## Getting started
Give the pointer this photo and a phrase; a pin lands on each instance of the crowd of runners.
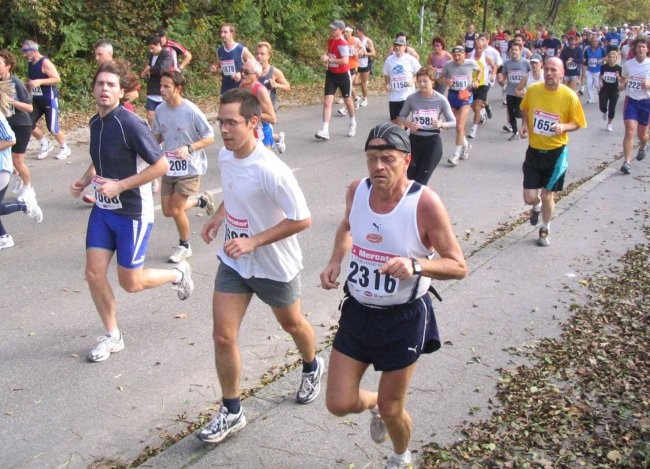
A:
(389, 268)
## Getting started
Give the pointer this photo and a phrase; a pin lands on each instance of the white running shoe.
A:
(105, 347)
(342, 112)
(45, 148)
(282, 146)
(222, 425)
(352, 130)
(322, 135)
(64, 153)
(26, 193)
(378, 431)
(33, 211)
(453, 160)
(310, 383)
(6, 241)
(17, 183)
(465, 152)
(357, 102)
(209, 203)
(610, 128)
(180, 253)
(186, 286)
(364, 102)
(471, 133)
(404, 462)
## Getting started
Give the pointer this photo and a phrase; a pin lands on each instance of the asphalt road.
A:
(59, 410)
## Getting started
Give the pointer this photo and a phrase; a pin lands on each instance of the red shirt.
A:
(338, 48)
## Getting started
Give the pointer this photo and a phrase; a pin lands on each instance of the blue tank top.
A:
(231, 63)
(35, 72)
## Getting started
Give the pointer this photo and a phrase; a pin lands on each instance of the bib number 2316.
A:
(374, 280)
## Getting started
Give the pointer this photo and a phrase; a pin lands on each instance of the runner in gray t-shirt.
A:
(515, 70)
(430, 111)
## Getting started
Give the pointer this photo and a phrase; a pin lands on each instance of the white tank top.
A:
(378, 237)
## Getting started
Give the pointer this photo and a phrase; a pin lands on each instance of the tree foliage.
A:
(66, 30)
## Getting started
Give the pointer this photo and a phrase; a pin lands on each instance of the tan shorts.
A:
(187, 186)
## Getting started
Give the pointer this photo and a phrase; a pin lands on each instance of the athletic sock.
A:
(184, 243)
(458, 150)
(326, 126)
(309, 367)
(114, 334)
(201, 202)
(233, 405)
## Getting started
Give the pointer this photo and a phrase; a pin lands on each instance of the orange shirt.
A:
(353, 59)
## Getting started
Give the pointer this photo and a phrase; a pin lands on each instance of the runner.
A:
(470, 39)
(263, 209)
(231, 56)
(399, 78)
(19, 108)
(160, 60)
(636, 110)
(367, 53)
(459, 76)
(593, 59)
(7, 141)
(337, 77)
(176, 50)
(184, 132)
(273, 78)
(391, 231)
(485, 78)
(610, 81)
(550, 110)
(125, 159)
(251, 72)
(430, 112)
(43, 77)
(515, 71)
(437, 59)
(353, 65)
(572, 58)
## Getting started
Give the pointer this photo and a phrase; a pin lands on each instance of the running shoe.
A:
(180, 253)
(544, 237)
(310, 383)
(6, 241)
(483, 116)
(26, 193)
(378, 431)
(513, 137)
(453, 160)
(465, 152)
(342, 112)
(89, 199)
(364, 102)
(403, 462)
(352, 130)
(507, 127)
(32, 210)
(534, 216)
(640, 154)
(17, 183)
(222, 425)
(186, 285)
(208, 203)
(322, 135)
(610, 128)
(64, 153)
(357, 102)
(471, 133)
(105, 347)
(45, 148)
(282, 146)
(488, 112)
(625, 169)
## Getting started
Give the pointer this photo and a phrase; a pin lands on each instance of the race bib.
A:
(37, 91)
(236, 228)
(438, 73)
(102, 201)
(459, 82)
(610, 77)
(550, 52)
(635, 83)
(543, 121)
(593, 62)
(331, 63)
(469, 44)
(571, 65)
(426, 118)
(514, 76)
(364, 275)
(399, 82)
(228, 67)
(177, 166)
(363, 62)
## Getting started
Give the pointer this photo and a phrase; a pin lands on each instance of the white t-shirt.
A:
(260, 191)
(636, 73)
(400, 72)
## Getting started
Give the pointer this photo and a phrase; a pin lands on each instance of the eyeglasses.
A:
(248, 72)
(27, 49)
(229, 123)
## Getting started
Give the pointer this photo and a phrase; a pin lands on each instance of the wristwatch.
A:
(190, 149)
(417, 267)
